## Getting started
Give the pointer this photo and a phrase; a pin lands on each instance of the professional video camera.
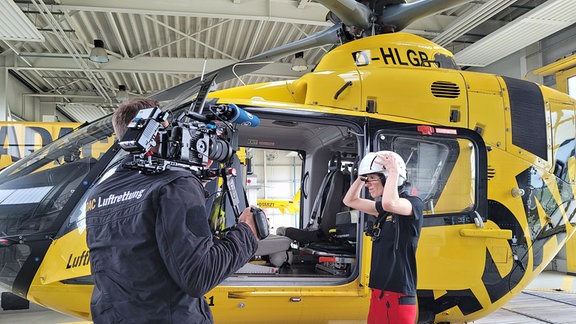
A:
(190, 141)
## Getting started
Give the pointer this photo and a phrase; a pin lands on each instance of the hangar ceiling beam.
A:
(155, 65)
(277, 10)
(548, 18)
(467, 22)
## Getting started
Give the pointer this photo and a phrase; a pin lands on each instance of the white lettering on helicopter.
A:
(392, 56)
(75, 261)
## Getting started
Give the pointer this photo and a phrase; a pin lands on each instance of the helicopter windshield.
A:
(34, 190)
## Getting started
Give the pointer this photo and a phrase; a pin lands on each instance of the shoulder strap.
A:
(379, 207)
(319, 197)
(382, 214)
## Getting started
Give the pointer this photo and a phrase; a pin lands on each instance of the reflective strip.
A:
(23, 196)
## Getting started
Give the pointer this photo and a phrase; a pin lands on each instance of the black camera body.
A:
(141, 134)
(191, 141)
(195, 143)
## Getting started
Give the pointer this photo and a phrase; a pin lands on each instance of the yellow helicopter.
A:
(284, 206)
(493, 159)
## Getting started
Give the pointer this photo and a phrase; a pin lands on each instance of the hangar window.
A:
(272, 182)
(566, 81)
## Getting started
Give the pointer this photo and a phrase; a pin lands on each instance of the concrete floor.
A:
(36, 314)
(551, 298)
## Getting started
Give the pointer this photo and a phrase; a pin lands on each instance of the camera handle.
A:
(230, 188)
(260, 220)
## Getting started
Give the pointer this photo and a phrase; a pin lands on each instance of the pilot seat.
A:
(331, 235)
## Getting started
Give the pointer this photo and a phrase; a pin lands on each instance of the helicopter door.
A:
(460, 249)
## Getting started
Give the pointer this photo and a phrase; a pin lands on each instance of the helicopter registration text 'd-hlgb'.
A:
(493, 159)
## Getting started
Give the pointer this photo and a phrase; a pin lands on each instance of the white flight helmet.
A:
(367, 166)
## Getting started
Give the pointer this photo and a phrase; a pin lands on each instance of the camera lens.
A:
(220, 151)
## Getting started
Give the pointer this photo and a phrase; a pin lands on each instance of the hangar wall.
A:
(18, 101)
(522, 63)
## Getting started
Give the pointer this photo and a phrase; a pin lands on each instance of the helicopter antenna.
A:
(203, 69)
(207, 85)
(245, 63)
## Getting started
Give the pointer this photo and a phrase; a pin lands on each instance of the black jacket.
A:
(151, 250)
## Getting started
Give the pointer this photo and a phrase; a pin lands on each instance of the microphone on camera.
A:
(237, 115)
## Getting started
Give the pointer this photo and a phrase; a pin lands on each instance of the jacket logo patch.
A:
(113, 199)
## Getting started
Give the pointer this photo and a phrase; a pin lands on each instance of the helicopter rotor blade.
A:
(332, 35)
(350, 12)
(401, 15)
(395, 14)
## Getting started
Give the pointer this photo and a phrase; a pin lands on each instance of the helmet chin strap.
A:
(403, 188)
(401, 180)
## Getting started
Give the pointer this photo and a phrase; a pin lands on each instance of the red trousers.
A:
(387, 307)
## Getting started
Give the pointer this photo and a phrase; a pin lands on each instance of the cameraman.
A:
(152, 253)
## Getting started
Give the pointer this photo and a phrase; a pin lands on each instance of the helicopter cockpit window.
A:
(35, 189)
(446, 62)
(441, 172)
(77, 218)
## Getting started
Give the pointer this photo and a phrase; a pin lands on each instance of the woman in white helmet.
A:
(398, 221)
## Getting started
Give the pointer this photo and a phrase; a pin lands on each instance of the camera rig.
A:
(191, 141)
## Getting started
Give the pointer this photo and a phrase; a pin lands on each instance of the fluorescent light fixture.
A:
(467, 22)
(122, 94)
(98, 53)
(15, 26)
(299, 63)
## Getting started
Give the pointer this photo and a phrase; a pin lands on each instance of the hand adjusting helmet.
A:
(368, 166)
